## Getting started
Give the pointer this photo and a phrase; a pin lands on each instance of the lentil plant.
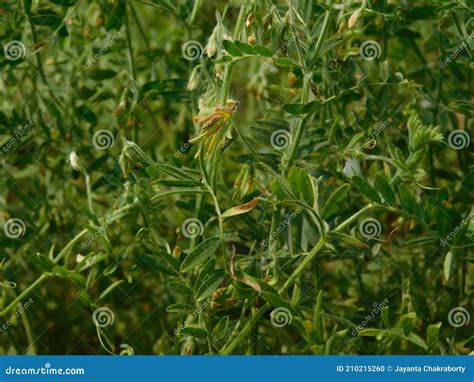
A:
(240, 177)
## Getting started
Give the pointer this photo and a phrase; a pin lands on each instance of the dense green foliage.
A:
(241, 177)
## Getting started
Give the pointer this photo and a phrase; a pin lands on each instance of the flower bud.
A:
(351, 168)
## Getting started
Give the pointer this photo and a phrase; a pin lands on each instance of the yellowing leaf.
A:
(241, 209)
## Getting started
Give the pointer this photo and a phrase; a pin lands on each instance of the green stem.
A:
(227, 82)
(40, 280)
(254, 320)
(129, 46)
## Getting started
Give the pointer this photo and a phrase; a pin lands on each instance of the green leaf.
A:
(245, 48)
(407, 199)
(116, 16)
(318, 321)
(284, 61)
(365, 188)
(417, 340)
(111, 287)
(179, 287)
(231, 48)
(210, 285)
(194, 331)
(338, 236)
(101, 74)
(164, 263)
(180, 308)
(384, 188)
(47, 17)
(293, 108)
(179, 183)
(432, 334)
(335, 202)
(262, 51)
(200, 254)
(27, 6)
(64, 3)
(371, 333)
(76, 278)
(43, 263)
